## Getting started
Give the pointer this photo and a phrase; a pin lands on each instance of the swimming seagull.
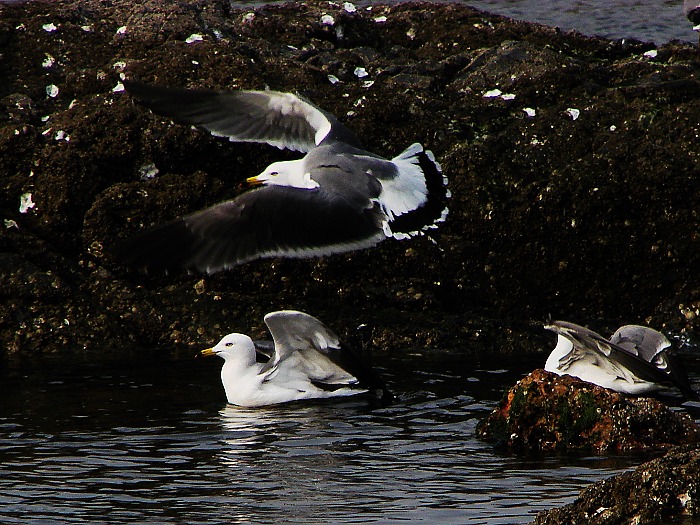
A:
(633, 361)
(337, 198)
(307, 361)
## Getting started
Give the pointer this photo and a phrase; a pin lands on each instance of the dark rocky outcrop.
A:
(656, 491)
(587, 218)
(545, 412)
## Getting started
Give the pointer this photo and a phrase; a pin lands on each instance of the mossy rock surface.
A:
(547, 412)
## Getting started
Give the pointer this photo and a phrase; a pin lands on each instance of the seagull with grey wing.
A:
(306, 361)
(337, 198)
(634, 360)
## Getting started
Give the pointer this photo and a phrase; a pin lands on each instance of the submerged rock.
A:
(545, 412)
(593, 217)
(656, 491)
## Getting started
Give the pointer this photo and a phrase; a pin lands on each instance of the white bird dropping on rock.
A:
(49, 28)
(573, 113)
(52, 90)
(148, 171)
(493, 93)
(360, 72)
(195, 37)
(25, 202)
(530, 112)
(48, 62)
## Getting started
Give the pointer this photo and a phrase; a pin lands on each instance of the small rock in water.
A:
(327, 20)
(52, 90)
(530, 112)
(493, 93)
(544, 411)
(49, 28)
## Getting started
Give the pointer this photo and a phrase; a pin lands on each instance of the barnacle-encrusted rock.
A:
(588, 218)
(663, 488)
(544, 411)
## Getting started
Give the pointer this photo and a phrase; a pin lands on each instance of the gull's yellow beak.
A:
(207, 352)
(253, 181)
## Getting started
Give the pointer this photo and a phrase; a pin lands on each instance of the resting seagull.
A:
(633, 361)
(306, 362)
(337, 198)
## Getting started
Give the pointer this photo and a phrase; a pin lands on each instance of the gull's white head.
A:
(285, 173)
(235, 347)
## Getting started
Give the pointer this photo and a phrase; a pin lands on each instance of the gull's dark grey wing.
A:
(264, 349)
(652, 346)
(270, 221)
(330, 364)
(280, 119)
(584, 339)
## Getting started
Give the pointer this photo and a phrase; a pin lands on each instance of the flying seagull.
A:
(633, 361)
(307, 361)
(337, 198)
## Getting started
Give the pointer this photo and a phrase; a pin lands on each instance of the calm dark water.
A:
(659, 21)
(648, 20)
(155, 443)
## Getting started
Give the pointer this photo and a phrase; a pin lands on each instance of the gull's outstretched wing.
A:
(270, 221)
(651, 346)
(303, 340)
(280, 119)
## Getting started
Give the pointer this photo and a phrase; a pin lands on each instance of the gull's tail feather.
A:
(434, 210)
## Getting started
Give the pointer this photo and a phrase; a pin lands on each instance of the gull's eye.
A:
(274, 173)
(228, 344)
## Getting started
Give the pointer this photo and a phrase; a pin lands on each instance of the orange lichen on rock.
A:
(544, 411)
